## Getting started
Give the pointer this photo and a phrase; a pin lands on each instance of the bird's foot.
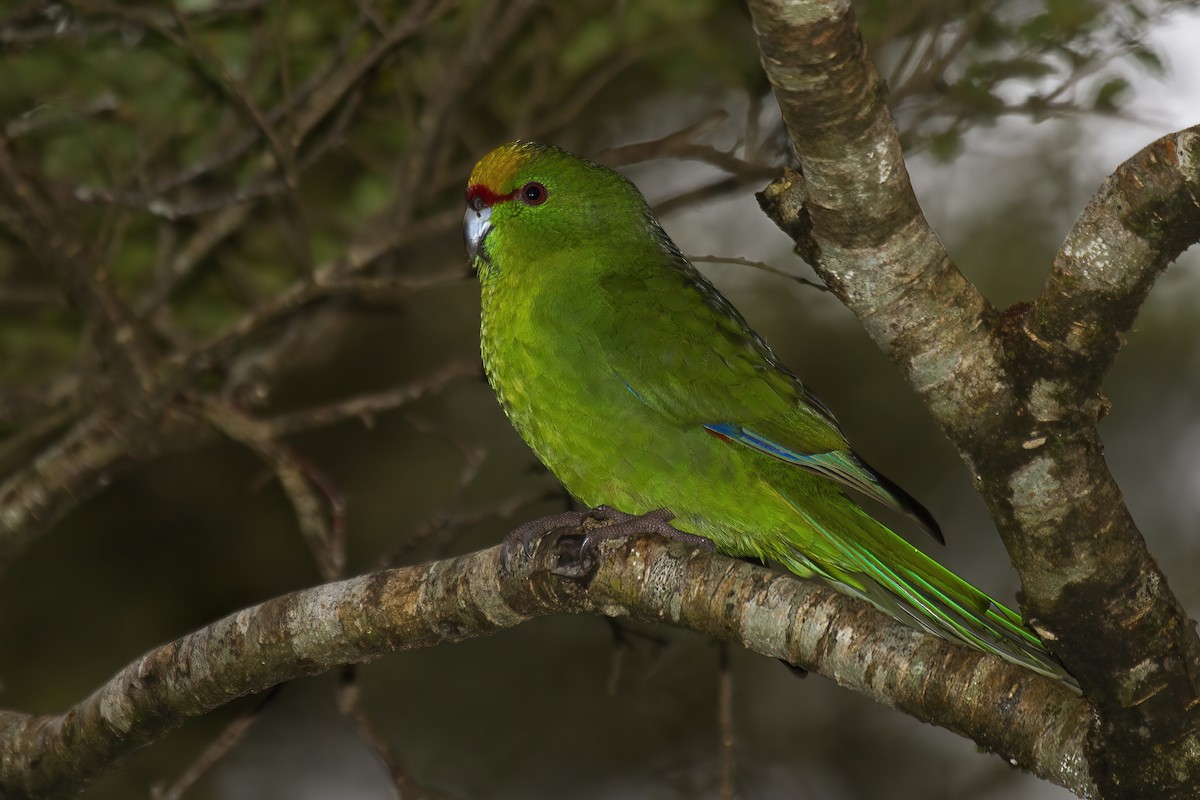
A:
(527, 536)
(602, 523)
(618, 525)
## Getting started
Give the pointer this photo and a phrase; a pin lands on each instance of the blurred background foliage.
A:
(272, 192)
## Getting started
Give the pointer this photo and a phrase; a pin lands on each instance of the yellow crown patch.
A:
(496, 170)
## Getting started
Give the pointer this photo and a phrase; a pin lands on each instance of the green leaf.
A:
(945, 145)
(1072, 14)
(1109, 91)
(1148, 59)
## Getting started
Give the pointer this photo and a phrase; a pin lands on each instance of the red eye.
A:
(533, 194)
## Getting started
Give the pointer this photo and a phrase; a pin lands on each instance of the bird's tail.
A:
(915, 589)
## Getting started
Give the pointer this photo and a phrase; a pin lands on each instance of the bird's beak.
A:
(476, 225)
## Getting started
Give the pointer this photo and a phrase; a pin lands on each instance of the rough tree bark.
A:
(1017, 391)
(1031, 721)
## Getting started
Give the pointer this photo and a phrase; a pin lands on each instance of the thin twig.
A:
(726, 785)
(367, 406)
(350, 706)
(747, 262)
(318, 505)
(225, 741)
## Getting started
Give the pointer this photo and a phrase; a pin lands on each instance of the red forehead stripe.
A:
(485, 194)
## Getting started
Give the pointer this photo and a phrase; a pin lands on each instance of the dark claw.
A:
(574, 557)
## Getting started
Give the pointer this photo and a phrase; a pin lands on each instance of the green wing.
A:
(698, 363)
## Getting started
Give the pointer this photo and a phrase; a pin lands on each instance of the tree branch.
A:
(1018, 392)
(1040, 725)
(855, 217)
(50, 236)
(104, 443)
(1088, 572)
(1144, 215)
(73, 468)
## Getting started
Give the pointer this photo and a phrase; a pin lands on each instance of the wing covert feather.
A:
(698, 363)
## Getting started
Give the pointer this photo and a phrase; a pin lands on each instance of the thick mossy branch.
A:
(1029, 720)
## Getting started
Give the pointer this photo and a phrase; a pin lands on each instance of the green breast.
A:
(552, 378)
(549, 376)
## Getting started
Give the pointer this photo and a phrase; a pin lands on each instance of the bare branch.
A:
(1041, 725)
(297, 298)
(102, 444)
(1141, 219)
(319, 510)
(681, 144)
(368, 405)
(50, 235)
(854, 215)
(765, 267)
(726, 781)
(23, 403)
(348, 701)
(222, 744)
(68, 471)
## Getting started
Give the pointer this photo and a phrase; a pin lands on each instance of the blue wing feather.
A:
(842, 466)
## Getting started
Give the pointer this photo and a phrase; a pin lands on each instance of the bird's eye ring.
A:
(477, 203)
(533, 194)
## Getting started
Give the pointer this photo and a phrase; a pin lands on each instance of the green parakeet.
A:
(641, 387)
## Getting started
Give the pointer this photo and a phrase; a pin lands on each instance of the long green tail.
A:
(916, 589)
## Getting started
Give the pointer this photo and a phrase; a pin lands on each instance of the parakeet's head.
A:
(526, 200)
